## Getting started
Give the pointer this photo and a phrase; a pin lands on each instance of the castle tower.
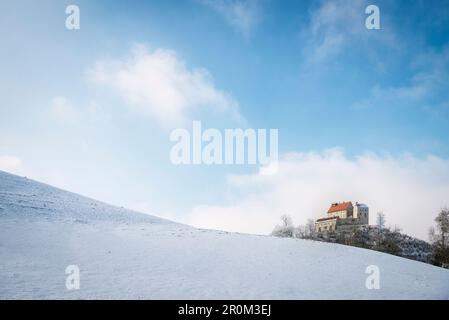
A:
(361, 212)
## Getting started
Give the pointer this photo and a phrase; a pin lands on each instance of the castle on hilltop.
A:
(343, 216)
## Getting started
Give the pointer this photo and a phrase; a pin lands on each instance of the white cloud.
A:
(243, 15)
(410, 191)
(331, 25)
(11, 164)
(336, 25)
(427, 88)
(160, 85)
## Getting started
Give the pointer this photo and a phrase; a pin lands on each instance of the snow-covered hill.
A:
(125, 254)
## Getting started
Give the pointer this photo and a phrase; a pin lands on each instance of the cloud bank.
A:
(409, 190)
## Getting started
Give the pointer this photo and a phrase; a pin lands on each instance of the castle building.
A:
(343, 216)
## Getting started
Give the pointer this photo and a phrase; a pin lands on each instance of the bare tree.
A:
(285, 229)
(300, 232)
(310, 229)
(380, 221)
(396, 229)
(439, 237)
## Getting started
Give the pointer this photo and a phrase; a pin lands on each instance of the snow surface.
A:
(124, 254)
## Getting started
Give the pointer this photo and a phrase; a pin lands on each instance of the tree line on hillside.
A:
(380, 238)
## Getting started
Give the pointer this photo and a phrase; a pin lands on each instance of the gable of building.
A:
(336, 207)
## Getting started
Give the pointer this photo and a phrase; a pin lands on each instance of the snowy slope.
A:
(124, 254)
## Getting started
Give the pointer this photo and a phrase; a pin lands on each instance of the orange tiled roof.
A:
(339, 207)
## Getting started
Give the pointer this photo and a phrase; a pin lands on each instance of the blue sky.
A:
(362, 100)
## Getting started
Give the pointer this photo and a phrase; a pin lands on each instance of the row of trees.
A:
(380, 238)
(286, 229)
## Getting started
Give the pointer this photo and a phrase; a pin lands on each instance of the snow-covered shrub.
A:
(286, 229)
(305, 231)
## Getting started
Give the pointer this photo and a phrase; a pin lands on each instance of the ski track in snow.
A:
(123, 254)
